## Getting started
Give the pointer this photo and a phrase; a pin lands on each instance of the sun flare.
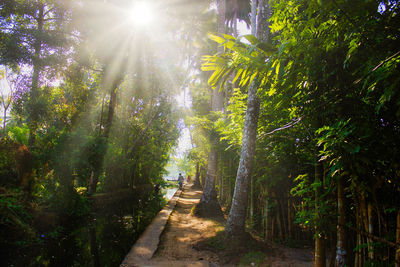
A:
(141, 14)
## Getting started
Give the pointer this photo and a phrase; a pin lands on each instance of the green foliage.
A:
(68, 204)
(184, 165)
(327, 89)
(218, 242)
(15, 221)
(19, 134)
(8, 170)
(252, 259)
(247, 60)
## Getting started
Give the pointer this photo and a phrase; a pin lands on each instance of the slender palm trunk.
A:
(196, 183)
(209, 205)
(289, 216)
(268, 217)
(370, 231)
(252, 201)
(319, 254)
(235, 225)
(341, 231)
(397, 257)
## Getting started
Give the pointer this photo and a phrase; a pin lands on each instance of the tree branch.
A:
(377, 67)
(286, 126)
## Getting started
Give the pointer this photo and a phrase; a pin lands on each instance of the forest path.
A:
(183, 242)
(182, 232)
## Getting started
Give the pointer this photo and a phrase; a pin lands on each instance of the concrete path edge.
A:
(145, 247)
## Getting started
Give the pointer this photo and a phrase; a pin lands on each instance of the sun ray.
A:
(141, 14)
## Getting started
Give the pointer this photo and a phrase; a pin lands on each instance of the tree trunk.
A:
(235, 225)
(358, 257)
(289, 217)
(272, 228)
(364, 225)
(107, 127)
(202, 178)
(319, 257)
(94, 249)
(101, 115)
(237, 215)
(113, 103)
(229, 200)
(370, 231)
(251, 202)
(268, 217)
(279, 221)
(397, 256)
(208, 205)
(341, 231)
(34, 90)
(4, 122)
(196, 183)
(283, 213)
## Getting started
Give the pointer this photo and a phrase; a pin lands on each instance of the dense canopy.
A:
(293, 109)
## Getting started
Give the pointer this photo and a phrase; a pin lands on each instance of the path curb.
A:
(145, 247)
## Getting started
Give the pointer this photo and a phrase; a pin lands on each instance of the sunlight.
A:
(141, 14)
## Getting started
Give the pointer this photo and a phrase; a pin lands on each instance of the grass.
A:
(253, 258)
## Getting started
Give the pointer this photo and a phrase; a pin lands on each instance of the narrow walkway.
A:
(145, 247)
(175, 245)
(170, 239)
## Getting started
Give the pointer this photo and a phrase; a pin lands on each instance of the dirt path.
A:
(184, 243)
(183, 231)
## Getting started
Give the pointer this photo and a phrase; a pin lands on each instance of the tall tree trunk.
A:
(237, 215)
(251, 201)
(341, 231)
(202, 178)
(364, 225)
(221, 185)
(196, 183)
(113, 103)
(283, 213)
(94, 249)
(34, 90)
(358, 258)
(208, 205)
(289, 216)
(229, 200)
(268, 217)
(397, 256)
(279, 220)
(235, 225)
(4, 121)
(116, 81)
(101, 114)
(319, 256)
(370, 231)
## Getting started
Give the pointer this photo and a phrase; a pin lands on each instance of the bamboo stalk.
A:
(370, 231)
(397, 256)
(341, 250)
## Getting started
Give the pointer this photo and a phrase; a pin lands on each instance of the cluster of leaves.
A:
(328, 85)
(83, 118)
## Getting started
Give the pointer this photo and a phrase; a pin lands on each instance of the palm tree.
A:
(228, 12)
(235, 225)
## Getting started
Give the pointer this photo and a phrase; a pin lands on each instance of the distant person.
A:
(188, 179)
(180, 180)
